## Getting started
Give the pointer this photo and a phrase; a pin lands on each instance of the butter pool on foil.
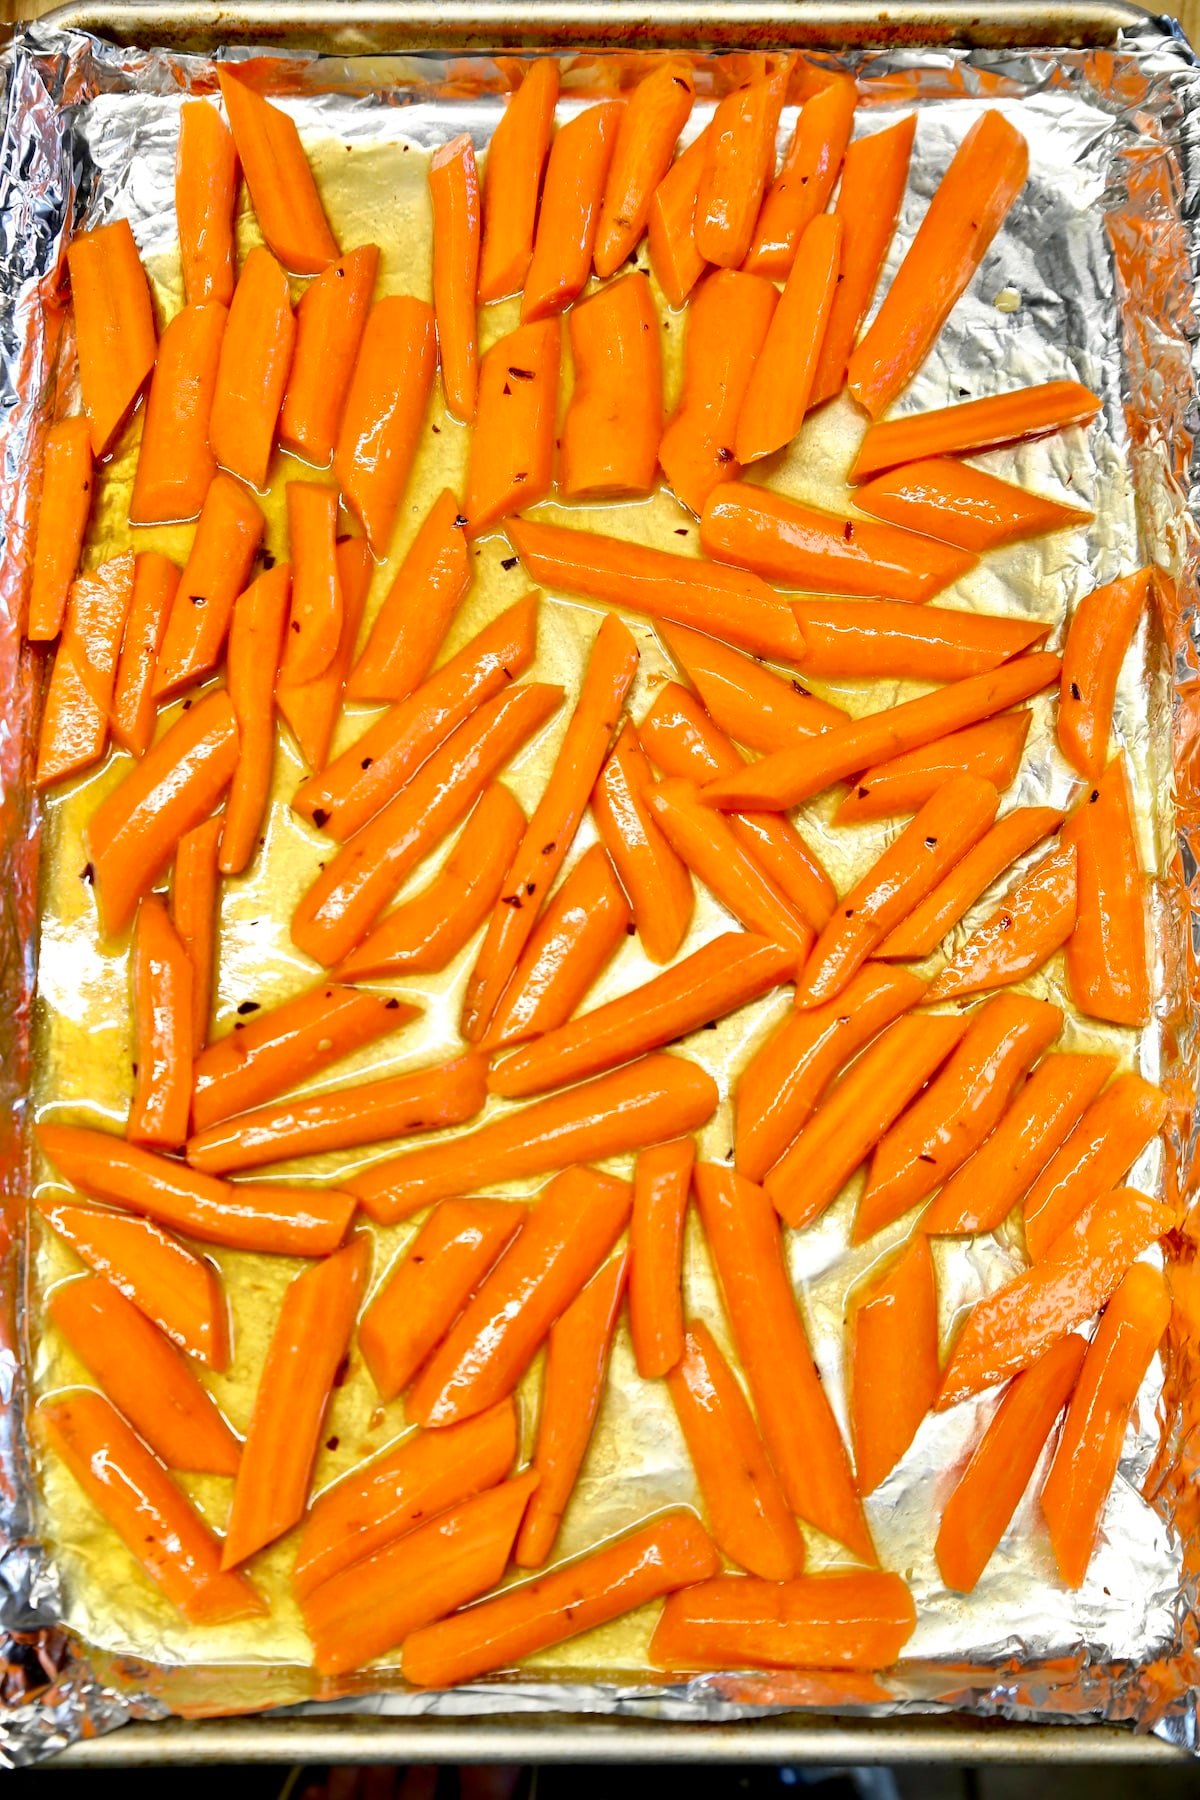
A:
(1091, 277)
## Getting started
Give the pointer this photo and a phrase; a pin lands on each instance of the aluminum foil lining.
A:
(1092, 277)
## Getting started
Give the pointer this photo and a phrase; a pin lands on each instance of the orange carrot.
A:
(660, 1196)
(228, 533)
(976, 425)
(206, 177)
(512, 174)
(194, 906)
(312, 708)
(114, 327)
(255, 648)
(75, 717)
(315, 625)
(329, 326)
(162, 1011)
(282, 190)
(62, 516)
(656, 113)
(155, 581)
(569, 215)
(747, 701)
(851, 1619)
(609, 441)
(1107, 967)
(417, 611)
(385, 407)
(454, 195)
(1101, 631)
(805, 180)
(512, 446)
(1105, 1143)
(670, 225)
(893, 1362)
(781, 384)
(727, 326)
(957, 504)
(889, 638)
(175, 465)
(255, 359)
(1035, 918)
(738, 164)
(990, 752)
(654, 877)
(922, 931)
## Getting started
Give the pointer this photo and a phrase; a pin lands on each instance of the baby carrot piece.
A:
(840, 1619)
(797, 1422)
(660, 1195)
(880, 638)
(315, 625)
(874, 175)
(311, 708)
(206, 177)
(162, 1018)
(894, 1372)
(62, 515)
(857, 1112)
(968, 208)
(569, 214)
(429, 1286)
(421, 1476)
(155, 581)
(609, 440)
(671, 228)
(454, 195)
(228, 533)
(1104, 1145)
(746, 1509)
(75, 717)
(144, 1375)
(654, 1099)
(805, 180)
(990, 752)
(114, 327)
(329, 326)
(727, 326)
(416, 613)
(255, 647)
(654, 877)
(739, 162)
(980, 1510)
(175, 465)
(672, 1551)
(511, 459)
(1101, 631)
(194, 908)
(128, 1485)
(655, 114)
(1089, 1450)
(422, 935)
(749, 703)
(252, 373)
(576, 1222)
(312, 1333)
(576, 937)
(282, 190)
(1035, 918)
(974, 425)
(573, 1379)
(385, 408)
(781, 384)
(957, 504)
(1106, 952)
(512, 174)
(922, 931)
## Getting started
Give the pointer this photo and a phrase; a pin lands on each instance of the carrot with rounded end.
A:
(228, 533)
(385, 407)
(805, 180)
(430, 1285)
(175, 464)
(311, 1336)
(610, 435)
(252, 373)
(969, 206)
(661, 1182)
(569, 215)
(577, 1352)
(880, 638)
(655, 114)
(727, 326)
(852, 1619)
(1035, 918)
(671, 225)
(964, 506)
(1107, 966)
(655, 878)
(739, 162)
(330, 320)
(922, 931)
(255, 649)
(311, 708)
(980, 1510)
(114, 327)
(206, 177)
(780, 387)
(512, 174)
(62, 516)
(162, 1036)
(894, 1371)
(144, 1375)
(1104, 1145)
(74, 729)
(990, 752)
(155, 583)
(1101, 631)
(748, 702)
(654, 1099)
(454, 195)
(128, 1485)
(511, 460)
(315, 625)
(194, 909)
(974, 425)
(416, 613)
(282, 190)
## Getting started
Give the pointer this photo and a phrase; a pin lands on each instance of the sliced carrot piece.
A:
(728, 320)
(656, 113)
(282, 190)
(194, 907)
(739, 162)
(894, 1368)
(922, 931)
(511, 459)
(62, 516)
(175, 465)
(206, 178)
(610, 435)
(654, 877)
(454, 195)
(661, 1182)
(114, 326)
(974, 425)
(512, 174)
(852, 1619)
(1104, 1145)
(315, 626)
(416, 614)
(155, 582)
(255, 648)
(1101, 631)
(252, 373)
(75, 718)
(781, 384)
(957, 504)
(228, 533)
(671, 228)
(1107, 968)
(569, 215)
(748, 702)
(805, 180)
(1035, 918)
(385, 408)
(880, 638)
(162, 1013)
(311, 708)
(330, 320)
(990, 751)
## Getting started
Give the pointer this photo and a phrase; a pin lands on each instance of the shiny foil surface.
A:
(1092, 277)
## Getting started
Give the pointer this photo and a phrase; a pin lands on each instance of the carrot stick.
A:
(114, 327)
(610, 435)
(282, 190)
(128, 1485)
(385, 408)
(969, 206)
(747, 701)
(62, 516)
(981, 1508)
(893, 1329)
(728, 320)
(74, 730)
(851, 1619)
(175, 465)
(511, 458)
(652, 1100)
(922, 931)
(144, 1375)
(311, 1336)
(315, 625)
(255, 648)
(567, 1236)
(194, 907)
(797, 1422)
(957, 504)
(418, 1478)
(660, 1195)
(429, 1286)
(656, 113)
(723, 976)
(329, 326)
(672, 1551)
(805, 180)
(780, 387)
(252, 373)
(416, 613)
(739, 162)
(206, 178)
(1089, 1450)
(880, 638)
(1106, 954)
(569, 215)
(857, 1112)
(228, 533)
(576, 938)
(162, 1013)
(1035, 918)
(312, 708)
(670, 225)
(975, 425)
(1101, 631)
(454, 195)
(512, 174)
(155, 581)
(990, 751)
(1104, 1145)
(577, 1352)
(654, 877)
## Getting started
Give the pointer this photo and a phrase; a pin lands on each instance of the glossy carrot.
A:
(576, 1367)
(256, 633)
(609, 440)
(969, 206)
(569, 215)
(980, 1510)
(312, 708)
(62, 516)
(654, 877)
(1101, 631)
(206, 177)
(1107, 958)
(282, 190)
(252, 373)
(974, 425)
(649, 1102)
(656, 113)
(175, 464)
(961, 505)
(661, 1182)
(315, 626)
(851, 1619)
(133, 717)
(114, 326)
(805, 180)
(797, 1421)
(75, 717)
(511, 460)
(162, 1030)
(880, 638)
(228, 534)
(194, 910)
(728, 320)
(747, 701)
(512, 174)
(781, 385)
(990, 751)
(310, 1338)
(329, 326)
(1035, 918)
(1104, 1145)
(385, 408)
(739, 163)
(429, 1286)
(417, 610)
(671, 228)
(922, 931)
(144, 1375)
(893, 1352)
(128, 1485)
(454, 195)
